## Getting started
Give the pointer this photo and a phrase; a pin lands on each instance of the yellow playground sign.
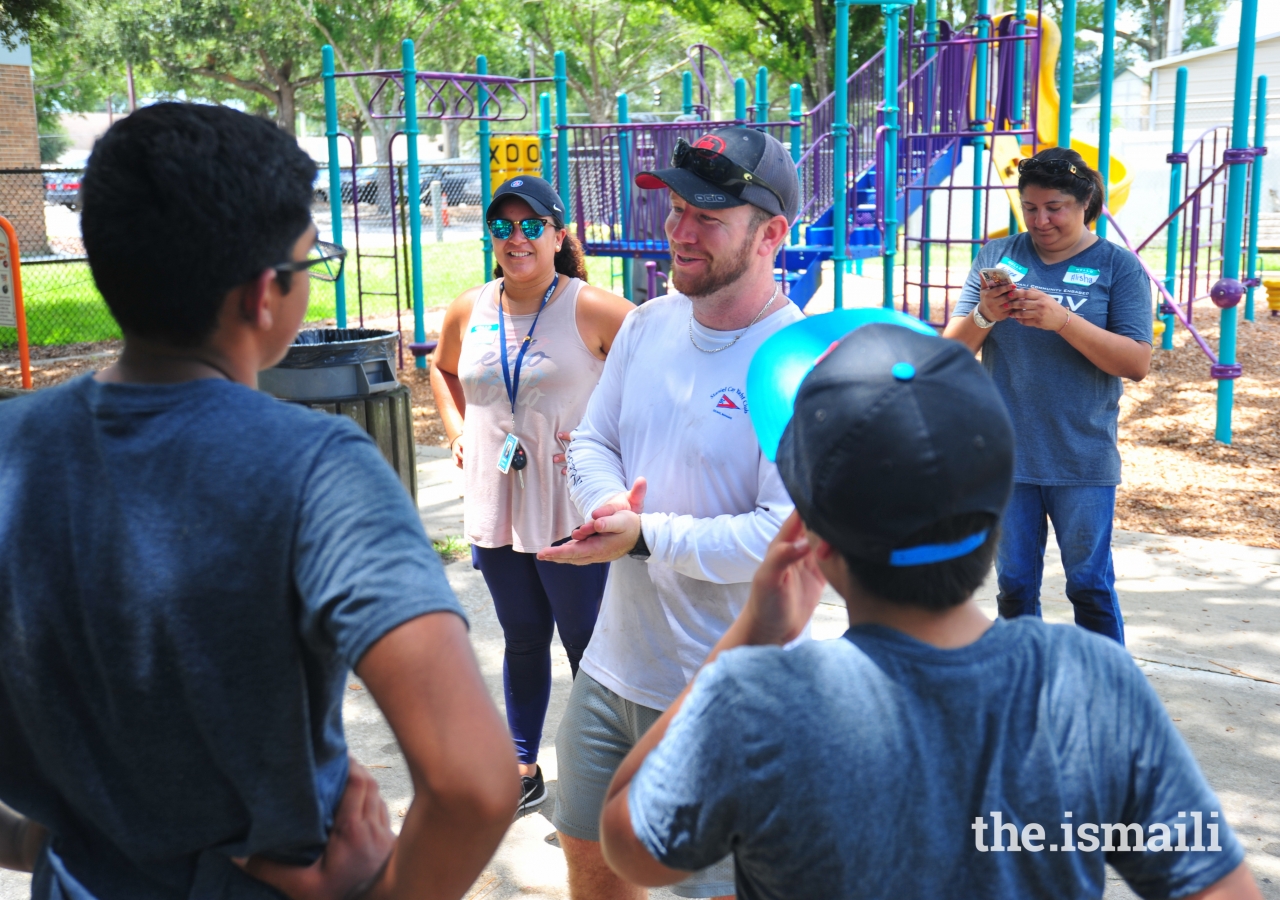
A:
(512, 155)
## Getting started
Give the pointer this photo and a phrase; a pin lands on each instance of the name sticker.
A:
(1016, 272)
(1080, 275)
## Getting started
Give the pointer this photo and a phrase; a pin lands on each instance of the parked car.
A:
(461, 185)
(366, 180)
(62, 188)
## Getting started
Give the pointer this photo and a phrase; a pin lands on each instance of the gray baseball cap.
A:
(731, 167)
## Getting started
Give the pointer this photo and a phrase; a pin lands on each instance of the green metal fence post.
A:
(1066, 72)
(762, 95)
(624, 177)
(887, 181)
(797, 98)
(1233, 232)
(980, 122)
(1259, 140)
(1107, 75)
(413, 192)
(335, 176)
(544, 138)
(740, 99)
(562, 132)
(486, 188)
(839, 171)
(1175, 197)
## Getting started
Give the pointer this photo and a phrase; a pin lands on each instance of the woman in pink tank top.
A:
(517, 361)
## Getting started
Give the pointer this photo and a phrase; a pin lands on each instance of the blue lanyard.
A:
(512, 390)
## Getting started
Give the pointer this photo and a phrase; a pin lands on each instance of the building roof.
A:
(1207, 51)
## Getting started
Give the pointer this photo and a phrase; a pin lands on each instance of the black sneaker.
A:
(532, 790)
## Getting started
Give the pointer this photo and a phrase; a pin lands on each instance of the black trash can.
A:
(351, 372)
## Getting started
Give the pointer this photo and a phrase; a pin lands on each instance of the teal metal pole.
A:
(1019, 64)
(1067, 72)
(979, 123)
(624, 177)
(686, 93)
(409, 71)
(740, 99)
(926, 215)
(839, 171)
(544, 137)
(1259, 140)
(1234, 230)
(888, 180)
(335, 176)
(797, 98)
(562, 132)
(1175, 197)
(486, 187)
(1107, 75)
(762, 95)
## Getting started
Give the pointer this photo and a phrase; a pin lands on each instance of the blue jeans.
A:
(1082, 517)
(531, 598)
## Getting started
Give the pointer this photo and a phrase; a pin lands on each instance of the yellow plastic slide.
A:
(1006, 151)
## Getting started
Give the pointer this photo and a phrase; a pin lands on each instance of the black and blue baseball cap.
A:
(535, 191)
(893, 431)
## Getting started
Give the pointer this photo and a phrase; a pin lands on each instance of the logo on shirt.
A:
(1080, 275)
(1016, 272)
(730, 402)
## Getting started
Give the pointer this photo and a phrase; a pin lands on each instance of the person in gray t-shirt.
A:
(1071, 319)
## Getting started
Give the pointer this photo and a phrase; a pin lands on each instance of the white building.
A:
(1130, 102)
(1211, 79)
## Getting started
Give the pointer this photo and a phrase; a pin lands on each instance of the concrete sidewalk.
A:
(1202, 619)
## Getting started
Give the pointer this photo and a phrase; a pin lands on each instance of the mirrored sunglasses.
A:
(504, 228)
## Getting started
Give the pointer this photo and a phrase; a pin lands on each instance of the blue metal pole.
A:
(1234, 229)
(1067, 72)
(409, 72)
(335, 176)
(762, 95)
(1175, 197)
(486, 187)
(840, 174)
(686, 93)
(1107, 75)
(624, 211)
(980, 122)
(562, 132)
(926, 215)
(888, 180)
(1259, 140)
(797, 96)
(544, 137)
(740, 99)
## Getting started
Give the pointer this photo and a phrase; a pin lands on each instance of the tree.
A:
(32, 19)
(64, 83)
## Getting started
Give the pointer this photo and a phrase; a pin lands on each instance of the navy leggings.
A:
(532, 598)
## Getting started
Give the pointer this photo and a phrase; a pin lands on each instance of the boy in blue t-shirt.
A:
(930, 752)
(189, 569)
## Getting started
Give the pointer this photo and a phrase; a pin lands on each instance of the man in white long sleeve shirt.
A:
(666, 470)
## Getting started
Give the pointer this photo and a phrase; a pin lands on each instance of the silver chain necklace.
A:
(772, 297)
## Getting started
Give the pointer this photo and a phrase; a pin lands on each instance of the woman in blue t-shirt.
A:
(1072, 317)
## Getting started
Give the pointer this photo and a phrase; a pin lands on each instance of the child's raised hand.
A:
(786, 587)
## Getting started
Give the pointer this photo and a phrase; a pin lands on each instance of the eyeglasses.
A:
(719, 170)
(324, 261)
(1051, 167)
(504, 228)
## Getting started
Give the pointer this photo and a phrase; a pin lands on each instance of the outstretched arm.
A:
(20, 840)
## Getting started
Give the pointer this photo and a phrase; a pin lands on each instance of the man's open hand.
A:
(358, 848)
(609, 534)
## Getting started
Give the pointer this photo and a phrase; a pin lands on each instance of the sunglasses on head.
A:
(504, 228)
(1051, 167)
(719, 170)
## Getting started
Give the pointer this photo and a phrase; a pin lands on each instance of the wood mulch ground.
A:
(1177, 479)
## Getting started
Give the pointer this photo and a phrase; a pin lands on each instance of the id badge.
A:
(508, 453)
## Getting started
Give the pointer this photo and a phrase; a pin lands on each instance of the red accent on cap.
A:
(649, 182)
(710, 142)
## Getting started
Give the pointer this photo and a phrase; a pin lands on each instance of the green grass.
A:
(452, 548)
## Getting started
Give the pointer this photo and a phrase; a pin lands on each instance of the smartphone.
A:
(995, 277)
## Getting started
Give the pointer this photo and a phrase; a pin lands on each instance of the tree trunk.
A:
(287, 108)
(452, 135)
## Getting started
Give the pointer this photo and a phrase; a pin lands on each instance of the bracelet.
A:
(455, 440)
(1066, 323)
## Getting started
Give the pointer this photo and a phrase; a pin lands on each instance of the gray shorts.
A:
(599, 728)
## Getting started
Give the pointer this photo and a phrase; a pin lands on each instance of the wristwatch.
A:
(641, 550)
(980, 320)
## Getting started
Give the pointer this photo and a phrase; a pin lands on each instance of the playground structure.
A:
(955, 110)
